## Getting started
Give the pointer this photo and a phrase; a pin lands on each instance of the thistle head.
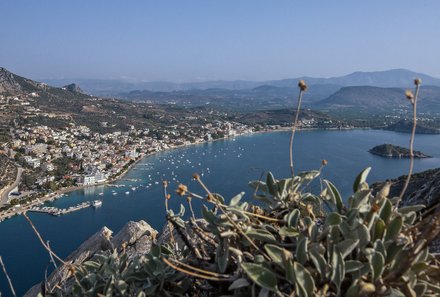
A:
(181, 190)
(409, 95)
(302, 85)
(196, 176)
(324, 162)
(165, 183)
(417, 81)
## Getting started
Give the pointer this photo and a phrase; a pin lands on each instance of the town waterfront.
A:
(226, 166)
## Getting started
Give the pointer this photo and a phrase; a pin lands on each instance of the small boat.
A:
(100, 194)
(96, 203)
(126, 193)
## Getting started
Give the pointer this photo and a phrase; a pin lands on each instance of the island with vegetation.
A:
(395, 151)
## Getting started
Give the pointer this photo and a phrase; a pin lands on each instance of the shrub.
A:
(291, 243)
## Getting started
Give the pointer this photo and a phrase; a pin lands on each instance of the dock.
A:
(59, 211)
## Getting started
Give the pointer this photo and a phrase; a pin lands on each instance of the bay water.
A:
(226, 167)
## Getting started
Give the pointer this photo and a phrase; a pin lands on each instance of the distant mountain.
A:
(400, 78)
(376, 98)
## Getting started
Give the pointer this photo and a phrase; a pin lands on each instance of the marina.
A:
(63, 211)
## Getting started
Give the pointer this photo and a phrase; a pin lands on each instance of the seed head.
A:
(409, 95)
(165, 183)
(417, 81)
(181, 190)
(196, 176)
(324, 162)
(302, 85)
(168, 196)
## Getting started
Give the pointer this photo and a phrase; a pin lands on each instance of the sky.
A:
(199, 40)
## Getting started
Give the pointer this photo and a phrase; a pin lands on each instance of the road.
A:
(5, 194)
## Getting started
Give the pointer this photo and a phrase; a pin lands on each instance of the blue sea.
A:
(226, 167)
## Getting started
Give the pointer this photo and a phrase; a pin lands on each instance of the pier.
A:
(59, 211)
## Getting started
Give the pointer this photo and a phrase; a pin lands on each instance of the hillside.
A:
(380, 99)
(405, 126)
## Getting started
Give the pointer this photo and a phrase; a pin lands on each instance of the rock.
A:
(73, 88)
(424, 188)
(139, 237)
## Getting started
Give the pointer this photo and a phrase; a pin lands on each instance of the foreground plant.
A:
(311, 244)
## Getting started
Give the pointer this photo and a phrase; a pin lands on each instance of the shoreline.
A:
(61, 192)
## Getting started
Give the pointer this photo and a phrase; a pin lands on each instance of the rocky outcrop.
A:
(395, 151)
(73, 88)
(135, 237)
(8, 84)
(424, 188)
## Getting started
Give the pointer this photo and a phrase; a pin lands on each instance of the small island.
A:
(394, 151)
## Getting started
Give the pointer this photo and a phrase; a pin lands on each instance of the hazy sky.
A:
(188, 40)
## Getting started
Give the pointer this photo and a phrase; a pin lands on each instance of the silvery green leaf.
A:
(239, 283)
(385, 210)
(333, 219)
(364, 235)
(319, 262)
(380, 247)
(304, 283)
(353, 265)
(379, 229)
(346, 246)
(182, 210)
(292, 218)
(377, 263)
(271, 184)
(360, 198)
(288, 232)
(361, 178)
(301, 249)
(256, 184)
(410, 217)
(394, 228)
(393, 249)
(336, 196)
(260, 234)
(222, 255)
(261, 276)
(236, 199)
(338, 270)
(277, 254)
(406, 209)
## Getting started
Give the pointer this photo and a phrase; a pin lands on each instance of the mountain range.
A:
(389, 78)
(381, 91)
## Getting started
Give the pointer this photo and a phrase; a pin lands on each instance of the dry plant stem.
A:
(42, 241)
(245, 212)
(295, 123)
(212, 278)
(411, 146)
(7, 277)
(231, 220)
(170, 227)
(200, 270)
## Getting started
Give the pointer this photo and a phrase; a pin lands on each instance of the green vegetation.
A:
(290, 241)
